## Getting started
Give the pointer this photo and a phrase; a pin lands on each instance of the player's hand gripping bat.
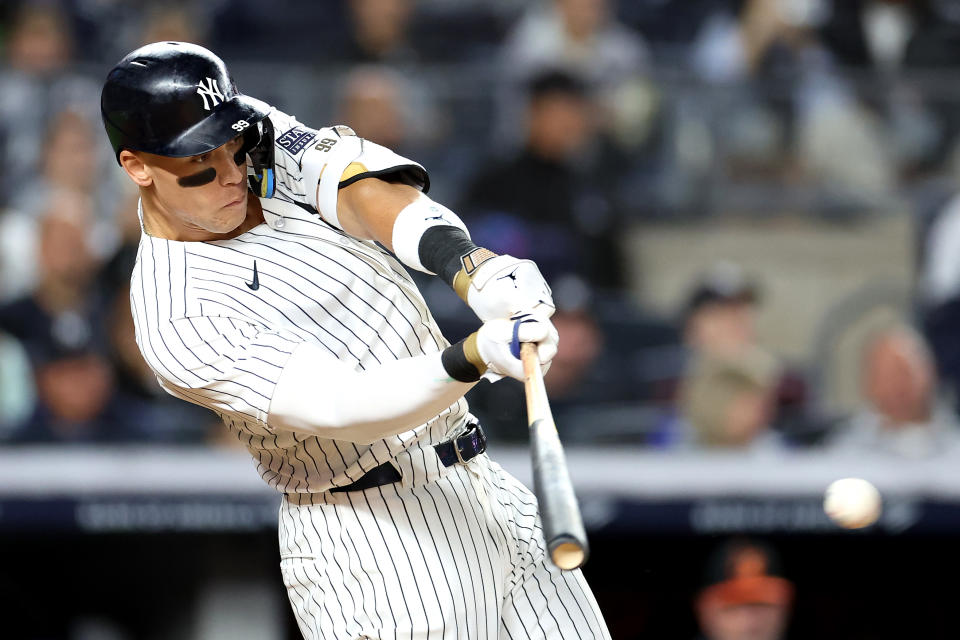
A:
(562, 525)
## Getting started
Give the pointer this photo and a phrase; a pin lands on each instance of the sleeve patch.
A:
(295, 140)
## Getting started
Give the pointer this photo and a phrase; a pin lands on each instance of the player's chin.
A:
(227, 219)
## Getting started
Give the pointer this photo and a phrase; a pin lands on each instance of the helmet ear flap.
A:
(258, 144)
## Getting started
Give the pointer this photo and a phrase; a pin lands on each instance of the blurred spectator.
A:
(178, 22)
(40, 41)
(902, 413)
(72, 158)
(582, 37)
(74, 392)
(898, 42)
(72, 161)
(76, 328)
(583, 343)
(719, 321)
(744, 594)
(552, 200)
(719, 318)
(61, 327)
(791, 106)
(371, 103)
(729, 403)
(379, 32)
(36, 82)
(109, 29)
(400, 111)
(382, 105)
(823, 82)
(66, 260)
(584, 374)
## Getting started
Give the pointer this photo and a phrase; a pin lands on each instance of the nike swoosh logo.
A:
(256, 278)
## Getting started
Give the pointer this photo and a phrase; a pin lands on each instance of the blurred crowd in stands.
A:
(554, 128)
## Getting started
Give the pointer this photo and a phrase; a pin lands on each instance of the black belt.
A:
(460, 449)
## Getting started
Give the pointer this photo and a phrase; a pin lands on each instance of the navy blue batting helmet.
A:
(174, 99)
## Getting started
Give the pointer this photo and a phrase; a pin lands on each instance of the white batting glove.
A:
(504, 286)
(498, 343)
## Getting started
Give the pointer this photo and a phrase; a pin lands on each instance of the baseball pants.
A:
(455, 554)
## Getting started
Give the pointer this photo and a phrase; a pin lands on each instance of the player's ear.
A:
(136, 168)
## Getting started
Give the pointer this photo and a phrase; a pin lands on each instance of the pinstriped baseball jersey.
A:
(445, 551)
(216, 321)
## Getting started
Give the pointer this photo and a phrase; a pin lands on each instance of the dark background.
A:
(849, 587)
(715, 154)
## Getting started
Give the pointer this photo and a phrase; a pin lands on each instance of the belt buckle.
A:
(456, 449)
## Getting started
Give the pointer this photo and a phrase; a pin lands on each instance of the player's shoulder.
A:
(293, 137)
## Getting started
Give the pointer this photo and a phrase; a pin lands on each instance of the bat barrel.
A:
(563, 529)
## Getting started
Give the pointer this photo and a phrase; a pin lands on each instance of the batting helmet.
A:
(174, 99)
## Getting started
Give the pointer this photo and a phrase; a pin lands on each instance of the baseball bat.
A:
(562, 524)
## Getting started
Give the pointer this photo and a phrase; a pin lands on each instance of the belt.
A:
(460, 449)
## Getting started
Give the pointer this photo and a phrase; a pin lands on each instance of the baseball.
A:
(853, 503)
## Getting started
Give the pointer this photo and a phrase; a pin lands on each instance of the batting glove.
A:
(498, 344)
(504, 286)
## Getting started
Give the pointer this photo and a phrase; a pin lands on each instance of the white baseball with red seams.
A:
(853, 503)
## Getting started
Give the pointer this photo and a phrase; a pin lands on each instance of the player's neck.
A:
(160, 224)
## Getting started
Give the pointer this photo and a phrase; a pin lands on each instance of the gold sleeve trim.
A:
(353, 169)
(472, 353)
(469, 265)
(461, 283)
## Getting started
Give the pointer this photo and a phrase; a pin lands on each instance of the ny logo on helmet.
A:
(210, 90)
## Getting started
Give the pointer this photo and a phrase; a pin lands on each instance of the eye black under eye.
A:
(199, 178)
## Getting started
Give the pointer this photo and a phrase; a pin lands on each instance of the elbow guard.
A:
(428, 237)
(347, 158)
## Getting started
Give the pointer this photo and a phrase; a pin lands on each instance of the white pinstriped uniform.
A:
(446, 552)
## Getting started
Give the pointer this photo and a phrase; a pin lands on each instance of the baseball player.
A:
(263, 291)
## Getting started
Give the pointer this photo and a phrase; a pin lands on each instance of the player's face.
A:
(207, 192)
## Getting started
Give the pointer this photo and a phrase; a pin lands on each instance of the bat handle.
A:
(531, 362)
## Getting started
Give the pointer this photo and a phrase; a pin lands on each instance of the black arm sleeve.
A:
(441, 248)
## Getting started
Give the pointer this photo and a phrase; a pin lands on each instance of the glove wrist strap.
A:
(469, 263)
